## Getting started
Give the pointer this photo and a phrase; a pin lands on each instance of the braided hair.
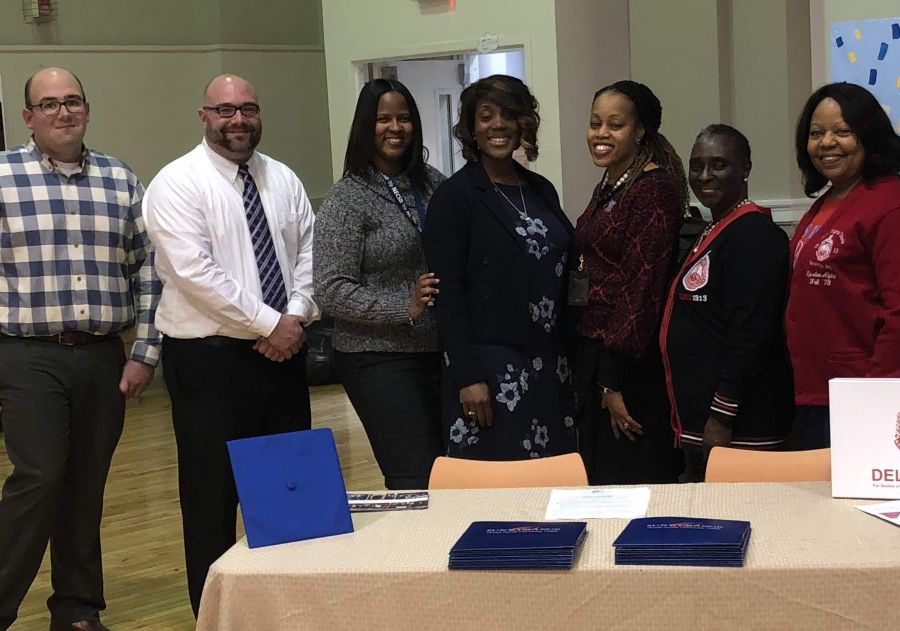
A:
(654, 146)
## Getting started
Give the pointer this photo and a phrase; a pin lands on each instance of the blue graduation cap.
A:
(290, 487)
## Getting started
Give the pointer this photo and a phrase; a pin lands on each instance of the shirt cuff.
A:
(305, 308)
(266, 321)
(145, 353)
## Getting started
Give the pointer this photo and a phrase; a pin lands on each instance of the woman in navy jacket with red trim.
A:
(843, 315)
(722, 336)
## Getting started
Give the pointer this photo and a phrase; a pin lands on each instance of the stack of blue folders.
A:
(683, 541)
(518, 545)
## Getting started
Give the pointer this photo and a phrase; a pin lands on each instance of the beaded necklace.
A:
(710, 226)
(605, 192)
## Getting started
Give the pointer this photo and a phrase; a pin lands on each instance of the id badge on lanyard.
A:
(418, 219)
(579, 285)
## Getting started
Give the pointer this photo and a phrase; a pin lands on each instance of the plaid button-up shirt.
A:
(74, 255)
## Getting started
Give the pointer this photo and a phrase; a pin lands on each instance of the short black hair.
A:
(727, 131)
(361, 141)
(512, 96)
(28, 102)
(866, 119)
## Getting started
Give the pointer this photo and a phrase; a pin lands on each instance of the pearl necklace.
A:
(711, 226)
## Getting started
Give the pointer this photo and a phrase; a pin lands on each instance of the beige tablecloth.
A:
(813, 562)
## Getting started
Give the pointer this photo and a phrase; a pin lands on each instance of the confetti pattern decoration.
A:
(873, 62)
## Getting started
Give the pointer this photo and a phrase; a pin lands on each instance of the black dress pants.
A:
(397, 396)
(62, 416)
(811, 428)
(222, 389)
(652, 458)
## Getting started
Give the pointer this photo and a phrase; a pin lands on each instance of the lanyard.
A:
(418, 220)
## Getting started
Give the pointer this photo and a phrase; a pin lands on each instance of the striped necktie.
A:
(270, 278)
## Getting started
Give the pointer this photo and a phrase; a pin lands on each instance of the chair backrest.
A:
(727, 464)
(460, 473)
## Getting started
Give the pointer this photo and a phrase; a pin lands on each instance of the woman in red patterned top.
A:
(627, 239)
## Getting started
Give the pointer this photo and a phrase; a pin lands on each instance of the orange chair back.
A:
(460, 473)
(727, 464)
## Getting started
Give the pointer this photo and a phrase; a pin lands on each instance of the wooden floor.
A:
(142, 545)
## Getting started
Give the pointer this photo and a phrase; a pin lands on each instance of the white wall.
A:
(742, 63)
(770, 88)
(676, 53)
(144, 65)
(358, 31)
(593, 51)
(144, 100)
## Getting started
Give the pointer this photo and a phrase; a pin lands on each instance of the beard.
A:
(242, 146)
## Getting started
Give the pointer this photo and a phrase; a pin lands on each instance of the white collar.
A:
(226, 167)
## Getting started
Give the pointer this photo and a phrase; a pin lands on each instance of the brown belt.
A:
(73, 338)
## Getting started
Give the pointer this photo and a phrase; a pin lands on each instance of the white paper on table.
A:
(621, 503)
(888, 511)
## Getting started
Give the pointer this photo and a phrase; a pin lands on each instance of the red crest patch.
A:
(697, 277)
(897, 432)
(825, 248)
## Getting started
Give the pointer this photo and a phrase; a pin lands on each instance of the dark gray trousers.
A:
(62, 418)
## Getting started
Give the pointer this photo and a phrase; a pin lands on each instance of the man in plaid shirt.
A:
(76, 270)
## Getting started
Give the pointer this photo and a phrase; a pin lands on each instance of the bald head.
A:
(52, 75)
(229, 131)
(225, 87)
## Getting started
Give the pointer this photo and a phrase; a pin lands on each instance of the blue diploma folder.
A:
(290, 487)
(505, 544)
(683, 541)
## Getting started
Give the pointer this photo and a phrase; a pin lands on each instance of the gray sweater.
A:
(367, 256)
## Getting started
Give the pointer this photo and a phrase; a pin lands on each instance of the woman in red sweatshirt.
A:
(843, 314)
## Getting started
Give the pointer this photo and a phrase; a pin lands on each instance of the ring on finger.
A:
(470, 413)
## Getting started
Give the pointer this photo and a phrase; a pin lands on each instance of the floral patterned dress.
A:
(531, 388)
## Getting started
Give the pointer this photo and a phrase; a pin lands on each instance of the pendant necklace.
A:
(524, 210)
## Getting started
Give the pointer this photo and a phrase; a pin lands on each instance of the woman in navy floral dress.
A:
(499, 242)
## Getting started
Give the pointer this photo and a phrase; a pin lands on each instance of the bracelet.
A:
(604, 390)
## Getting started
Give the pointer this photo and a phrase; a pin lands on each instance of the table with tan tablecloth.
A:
(813, 562)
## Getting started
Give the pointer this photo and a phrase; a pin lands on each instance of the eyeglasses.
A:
(228, 110)
(50, 107)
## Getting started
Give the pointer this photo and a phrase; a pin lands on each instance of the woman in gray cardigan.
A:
(370, 274)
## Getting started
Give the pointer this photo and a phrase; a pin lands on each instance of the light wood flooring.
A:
(141, 533)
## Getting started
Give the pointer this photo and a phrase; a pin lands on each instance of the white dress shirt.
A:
(194, 213)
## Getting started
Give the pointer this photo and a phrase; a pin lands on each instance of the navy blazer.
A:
(472, 247)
